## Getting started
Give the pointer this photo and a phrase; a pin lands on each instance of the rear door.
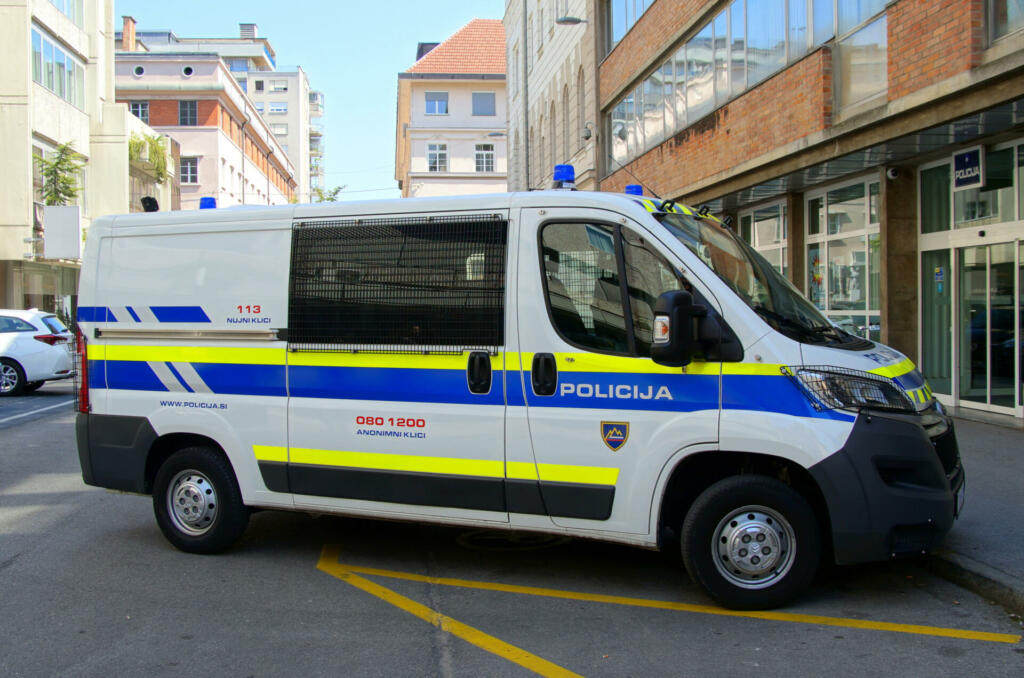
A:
(396, 366)
(603, 417)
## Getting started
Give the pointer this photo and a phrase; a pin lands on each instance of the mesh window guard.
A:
(410, 285)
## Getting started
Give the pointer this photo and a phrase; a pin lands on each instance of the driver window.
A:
(648, 275)
(583, 286)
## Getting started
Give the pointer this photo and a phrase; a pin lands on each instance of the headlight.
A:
(837, 388)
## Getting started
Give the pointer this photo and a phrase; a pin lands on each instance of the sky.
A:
(351, 51)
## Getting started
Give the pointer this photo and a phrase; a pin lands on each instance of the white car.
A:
(35, 347)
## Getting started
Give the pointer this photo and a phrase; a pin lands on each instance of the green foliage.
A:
(155, 150)
(330, 195)
(60, 175)
(135, 146)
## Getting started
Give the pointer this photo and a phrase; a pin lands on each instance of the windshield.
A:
(751, 277)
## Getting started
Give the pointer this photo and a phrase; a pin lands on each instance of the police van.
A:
(597, 365)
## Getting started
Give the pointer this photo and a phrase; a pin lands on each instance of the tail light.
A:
(82, 376)
(51, 339)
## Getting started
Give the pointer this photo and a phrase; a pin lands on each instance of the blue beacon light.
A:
(564, 177)
(634, 189)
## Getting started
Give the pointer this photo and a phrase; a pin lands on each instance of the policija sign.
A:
(969, 168)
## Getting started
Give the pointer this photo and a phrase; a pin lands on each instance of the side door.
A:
(396, 374)
(603, 417)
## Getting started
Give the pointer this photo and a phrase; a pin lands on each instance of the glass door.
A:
(987, 325)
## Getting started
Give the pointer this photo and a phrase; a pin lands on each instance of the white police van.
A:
(596, 365)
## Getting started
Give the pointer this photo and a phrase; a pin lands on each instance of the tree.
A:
(330, 195)
(60, 175)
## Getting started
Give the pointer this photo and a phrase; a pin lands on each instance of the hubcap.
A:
(753, 547)
(8, 378)
(192, 502)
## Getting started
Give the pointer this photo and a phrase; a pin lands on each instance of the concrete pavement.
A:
(984, 552)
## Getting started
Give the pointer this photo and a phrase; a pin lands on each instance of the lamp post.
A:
(526, 103)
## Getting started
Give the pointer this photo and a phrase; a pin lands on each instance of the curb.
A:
(979, 578)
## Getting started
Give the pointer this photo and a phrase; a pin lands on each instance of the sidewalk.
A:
(984, 552)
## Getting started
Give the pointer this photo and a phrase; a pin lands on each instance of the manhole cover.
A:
(488, 540)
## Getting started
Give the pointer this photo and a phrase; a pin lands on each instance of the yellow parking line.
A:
(687, 607)
(329, 564)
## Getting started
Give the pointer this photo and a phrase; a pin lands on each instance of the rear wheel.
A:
(12, 378)
(751, 542)
(197, 502)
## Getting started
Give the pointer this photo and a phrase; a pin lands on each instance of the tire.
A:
(33, 386)
(12, 378)
(751, 542)
(197, 502)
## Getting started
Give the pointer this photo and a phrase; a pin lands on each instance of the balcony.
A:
(316, 104)
(315, 131)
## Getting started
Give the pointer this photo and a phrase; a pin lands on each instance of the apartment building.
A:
(451, 134)
(552, 68)
(281, 96)
(870, 151)
(57, 87)
(228, 151)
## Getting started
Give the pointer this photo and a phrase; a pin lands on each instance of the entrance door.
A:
(988, 333)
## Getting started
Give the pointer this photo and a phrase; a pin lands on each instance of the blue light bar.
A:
(207, 203)
(634, 189)
(565, 173)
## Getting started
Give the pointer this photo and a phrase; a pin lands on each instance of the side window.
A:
(583, 286)
(648, 275)
(404, 285)
(8, 324)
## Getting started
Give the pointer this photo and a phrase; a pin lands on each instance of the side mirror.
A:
(676, 325)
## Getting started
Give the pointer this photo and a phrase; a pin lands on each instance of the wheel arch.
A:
(166, 445)
(696, 472)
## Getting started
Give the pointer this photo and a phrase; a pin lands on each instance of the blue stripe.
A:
(689, 392)
(911, 380)
(178, 377)
(180, 314)
(765, 393)
(131, 312)
(391, 384)
(131, 375)
(97, 374)
(514, 396)
(261, 380)
(95, 314)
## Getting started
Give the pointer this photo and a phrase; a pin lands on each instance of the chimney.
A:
(128, 34)
(247, 31)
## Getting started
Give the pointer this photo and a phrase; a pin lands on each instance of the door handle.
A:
(544, 374)
(478, 370)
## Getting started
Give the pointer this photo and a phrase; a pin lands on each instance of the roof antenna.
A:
(646, 187)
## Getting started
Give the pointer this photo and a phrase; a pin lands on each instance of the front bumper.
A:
(892, 489)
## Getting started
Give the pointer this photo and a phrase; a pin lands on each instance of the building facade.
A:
(871, 151)
(552, 70)
(228, 151)
(452, 116)
(57, 87)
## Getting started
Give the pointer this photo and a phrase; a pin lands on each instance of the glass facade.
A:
(57, 71)
(1005, 17)
(766, 230)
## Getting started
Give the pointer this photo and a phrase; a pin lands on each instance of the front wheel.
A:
(197, 502)
(751, 542)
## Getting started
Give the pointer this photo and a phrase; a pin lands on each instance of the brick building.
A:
(872, 151)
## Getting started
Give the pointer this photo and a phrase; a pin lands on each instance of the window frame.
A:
(441, 151)
(494, 104)
(183, 176)
(485, 152)
(427, 101)
(620, 264)
(139, 107)
(277, 108)
(183, 117)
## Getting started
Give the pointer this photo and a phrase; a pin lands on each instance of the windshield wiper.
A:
(792, 324)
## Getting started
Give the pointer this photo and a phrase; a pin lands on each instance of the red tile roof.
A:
(477, 47)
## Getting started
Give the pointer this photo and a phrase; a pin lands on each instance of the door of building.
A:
(988, 326)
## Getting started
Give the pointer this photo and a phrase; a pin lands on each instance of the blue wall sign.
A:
(969, 168)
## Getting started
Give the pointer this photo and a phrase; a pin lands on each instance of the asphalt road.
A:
(88, 586)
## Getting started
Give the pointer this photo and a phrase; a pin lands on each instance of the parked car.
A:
(35, 347)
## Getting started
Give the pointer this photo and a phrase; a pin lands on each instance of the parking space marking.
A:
(791, 617)
(329, 564)
(41, 409)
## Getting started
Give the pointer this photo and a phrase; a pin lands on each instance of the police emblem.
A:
(614, 434)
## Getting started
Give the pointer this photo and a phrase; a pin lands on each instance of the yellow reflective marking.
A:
(649, 205)
(688, 607)
(596, 362)
(418, 361)
(893, 371)
(329, 564)
(96, 351)
(521, 470)
(483, 468)
(197, 354)
(591, 475)
(758, 369)
(270, 453)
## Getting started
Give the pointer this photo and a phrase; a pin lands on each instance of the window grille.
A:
(408, 285)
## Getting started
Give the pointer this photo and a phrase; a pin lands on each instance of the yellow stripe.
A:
(329, 564)
(482, 468)
(595, 362)
(700, 609)
(270, 453)
(893, 371)
(399, 462)
(520, 470)
(96, 351)
(757, 369)
(592, 475)
(387, 360)
(197, 354)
